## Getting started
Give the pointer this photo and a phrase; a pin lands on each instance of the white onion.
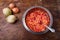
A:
(7, 11)
(11, 19)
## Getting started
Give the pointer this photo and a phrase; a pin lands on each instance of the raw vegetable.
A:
(15, 10)
(11, 19)
(11, 5)
(7, 11)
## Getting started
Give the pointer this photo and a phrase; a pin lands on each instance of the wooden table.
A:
(16, 31)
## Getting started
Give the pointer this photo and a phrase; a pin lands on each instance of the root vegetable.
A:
(7, 11)
(15, 10)
(11, 19)
(11, 5)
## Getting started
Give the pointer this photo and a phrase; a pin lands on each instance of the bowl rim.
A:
(24, 16)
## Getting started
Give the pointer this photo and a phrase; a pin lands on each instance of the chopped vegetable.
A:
(7, 11)
(36, 19)
(11, 19)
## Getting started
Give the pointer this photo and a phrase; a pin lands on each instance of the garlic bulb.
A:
(7, 11)
(11, 19)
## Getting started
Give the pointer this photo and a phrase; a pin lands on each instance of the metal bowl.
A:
(26, 27)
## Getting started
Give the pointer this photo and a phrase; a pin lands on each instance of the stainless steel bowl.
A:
(26, 27)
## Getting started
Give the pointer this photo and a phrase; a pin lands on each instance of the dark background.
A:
(16, 31)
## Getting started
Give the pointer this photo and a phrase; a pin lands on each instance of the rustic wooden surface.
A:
(16, 31)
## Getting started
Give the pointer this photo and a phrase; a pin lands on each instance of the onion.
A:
(7, 11)
(11, 19)
(15, 10)
(11, 5)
